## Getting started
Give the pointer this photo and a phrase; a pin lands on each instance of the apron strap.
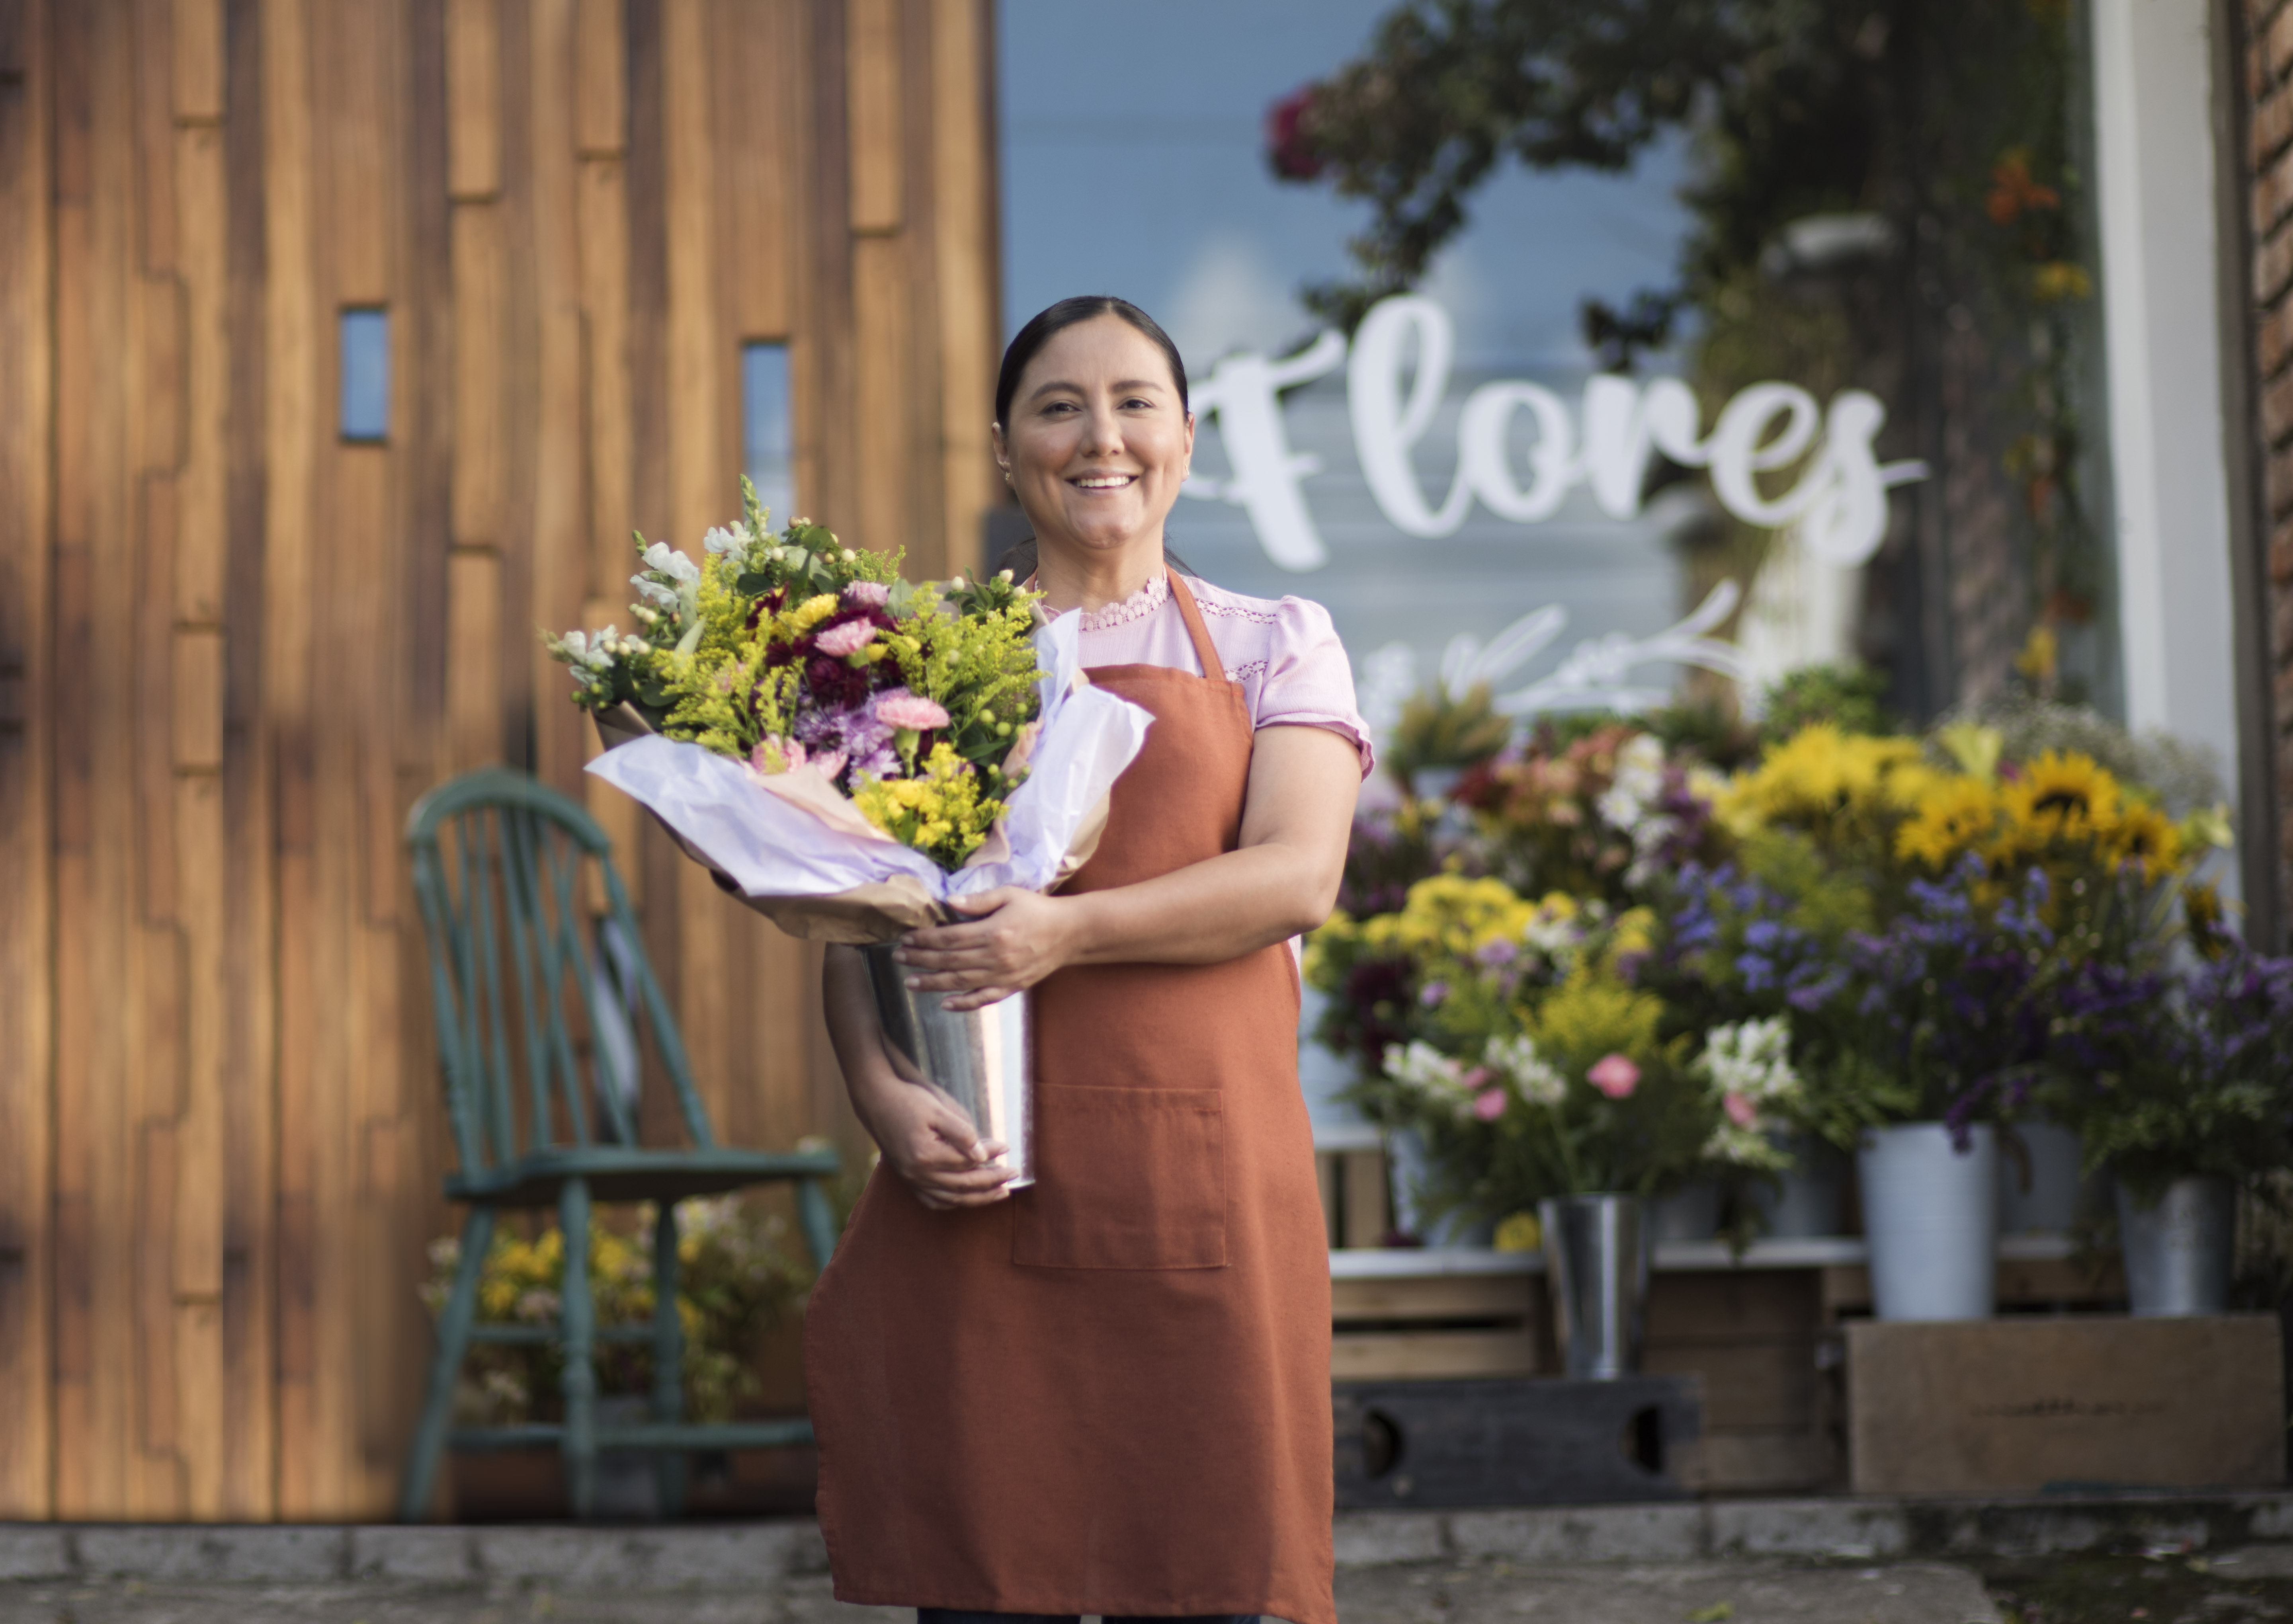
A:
(1205, 650)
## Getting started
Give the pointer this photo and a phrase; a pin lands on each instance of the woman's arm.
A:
(1281, 880)
(928, 1141)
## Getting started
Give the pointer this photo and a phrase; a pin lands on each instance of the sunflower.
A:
(2062, 794)
(1954, 814)
(2145, 834)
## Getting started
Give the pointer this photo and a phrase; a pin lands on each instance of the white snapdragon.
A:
(738, 538)
(1537, 1080)
(1752, 1058)
(1432, 1074)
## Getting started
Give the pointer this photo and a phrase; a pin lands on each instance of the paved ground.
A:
(1476, 1593)
(1773, 1565)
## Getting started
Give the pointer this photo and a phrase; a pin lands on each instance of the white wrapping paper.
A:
(826, 873)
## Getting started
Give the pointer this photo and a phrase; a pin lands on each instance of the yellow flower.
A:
(1520, 1232)
(1954, 815)
(2145, 834)
(1817, 777)
(796, 622)
(2063, 794)
(1975, 748)
(1449, 913)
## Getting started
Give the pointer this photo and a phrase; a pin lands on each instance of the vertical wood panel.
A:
(883, 400)
(963, 256)
(872, 69)
(701, 472)
(473, 99)
(26, 869)
(197, 76)
(203, 266)
(600, 87)
(480, 319)
(246, 920)
(560, 543)
(756, 74)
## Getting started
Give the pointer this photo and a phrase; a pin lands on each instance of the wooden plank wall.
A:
(235, 648)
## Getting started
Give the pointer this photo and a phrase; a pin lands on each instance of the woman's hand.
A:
(1017, 938)
(932, 1146)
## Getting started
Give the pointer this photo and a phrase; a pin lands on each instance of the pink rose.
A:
(850, 638)
(1615, 1076)
(897, 707)
(1741, 1110)
(868, 594)
(1490, 1105)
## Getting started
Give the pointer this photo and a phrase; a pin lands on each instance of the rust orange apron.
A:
(1110, 1393)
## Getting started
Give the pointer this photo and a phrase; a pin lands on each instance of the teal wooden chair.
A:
(540, 1011)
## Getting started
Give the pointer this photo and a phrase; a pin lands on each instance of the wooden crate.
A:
(1418, 1315)
(1754, 1337)
(2030, 1403)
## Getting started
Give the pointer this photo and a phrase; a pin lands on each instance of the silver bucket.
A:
(2178, 1253)
(1931, 1215)
(980, 1059)
(1596, 1263)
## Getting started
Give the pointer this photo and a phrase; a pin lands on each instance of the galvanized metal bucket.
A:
(1596, 1263)
(1931, 1212)
(980, 1059)
(2178, 1253)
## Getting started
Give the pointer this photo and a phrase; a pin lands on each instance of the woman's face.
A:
(1098, 443)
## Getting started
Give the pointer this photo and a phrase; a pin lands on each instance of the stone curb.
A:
(735, 1556)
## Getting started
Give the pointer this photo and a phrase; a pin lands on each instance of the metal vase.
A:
(1807, 1199)
(2178, 1253)
(1931, 1212)
(1596, 1263)
(981, 1059)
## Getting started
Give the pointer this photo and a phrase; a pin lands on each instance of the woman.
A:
(1108, 1393)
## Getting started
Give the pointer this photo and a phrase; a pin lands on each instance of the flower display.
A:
(735, 1281)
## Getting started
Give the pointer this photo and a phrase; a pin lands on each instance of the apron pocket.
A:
(1125, 1178)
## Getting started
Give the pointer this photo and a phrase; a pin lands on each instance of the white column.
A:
(2153, 80)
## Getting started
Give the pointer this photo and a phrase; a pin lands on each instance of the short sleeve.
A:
(1308, 681)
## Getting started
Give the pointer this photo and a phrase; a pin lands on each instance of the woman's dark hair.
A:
(1047, 324)
(1029, 341)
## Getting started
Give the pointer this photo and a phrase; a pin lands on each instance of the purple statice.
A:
(1947, 988)
(1730, 928)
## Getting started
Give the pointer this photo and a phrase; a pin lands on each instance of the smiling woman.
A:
(1108, 1391)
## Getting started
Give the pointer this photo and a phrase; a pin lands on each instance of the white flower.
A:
(1752, 1058)
(1540, 1084)
(1639, 780)
(733, 540)
(1742, 1147)
(1437, 1080)
(662, 557)
(1553, 933)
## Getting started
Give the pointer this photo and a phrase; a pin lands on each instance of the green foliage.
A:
(1438, 730)
(1851, 697)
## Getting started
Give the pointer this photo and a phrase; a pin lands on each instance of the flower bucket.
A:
(2178, 1253)
(1931, 1212)
(1688, 1214)
(1413, 1173)
(2039, 1191)
(978, 1058)
(1596, 1264)
(1808, 1200)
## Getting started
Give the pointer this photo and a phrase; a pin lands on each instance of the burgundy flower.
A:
(1290, 148)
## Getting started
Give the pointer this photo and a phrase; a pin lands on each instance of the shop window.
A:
(365, 341)
(767, 435)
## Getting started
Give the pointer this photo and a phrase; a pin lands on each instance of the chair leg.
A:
(445, 1367)
(577, 1329)
(818, 1219)
(668, 1357)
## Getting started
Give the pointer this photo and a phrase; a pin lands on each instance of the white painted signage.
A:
(1397, 372)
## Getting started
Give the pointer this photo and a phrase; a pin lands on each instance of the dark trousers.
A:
(950, 1615)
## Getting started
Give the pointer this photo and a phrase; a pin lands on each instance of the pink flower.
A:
(869, 594)
(1490, 1105)
(850, 638)
(897, 707)
(1741, 1110)
(1615, 1076)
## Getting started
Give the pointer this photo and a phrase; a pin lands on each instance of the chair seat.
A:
(621, 1173)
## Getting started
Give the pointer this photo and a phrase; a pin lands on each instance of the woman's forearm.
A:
(854, 1031)
(1205, 913)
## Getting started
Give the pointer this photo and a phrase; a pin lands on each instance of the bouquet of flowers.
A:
(850, 749)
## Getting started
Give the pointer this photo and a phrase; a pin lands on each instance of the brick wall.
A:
(2268, 126)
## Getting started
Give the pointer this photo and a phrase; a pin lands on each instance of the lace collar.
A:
(1138, 606)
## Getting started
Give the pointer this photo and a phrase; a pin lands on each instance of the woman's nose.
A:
(1101, 434)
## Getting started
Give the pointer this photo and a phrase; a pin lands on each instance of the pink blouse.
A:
(1286, 655)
